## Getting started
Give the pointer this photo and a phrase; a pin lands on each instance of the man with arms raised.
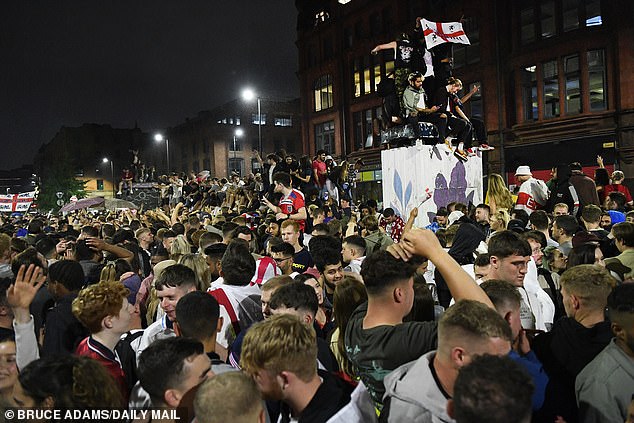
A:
(376, 339)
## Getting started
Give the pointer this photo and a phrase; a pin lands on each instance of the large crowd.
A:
(286, 288)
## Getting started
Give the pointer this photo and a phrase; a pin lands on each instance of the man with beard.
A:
(327, 252)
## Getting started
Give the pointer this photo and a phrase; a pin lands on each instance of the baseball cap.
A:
(523, 170)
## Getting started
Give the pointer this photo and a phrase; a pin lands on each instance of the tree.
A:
(59, 177)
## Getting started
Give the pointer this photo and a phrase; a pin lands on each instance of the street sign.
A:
(59, 194)
(60, 202)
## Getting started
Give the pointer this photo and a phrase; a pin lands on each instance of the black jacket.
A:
(63, 332)
(333, 394)
(564, 352)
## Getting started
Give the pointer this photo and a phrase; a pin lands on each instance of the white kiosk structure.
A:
(412, 174)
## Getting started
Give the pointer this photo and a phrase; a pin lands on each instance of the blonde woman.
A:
(198, 264)
(180, 246)
(498, 195)
(499, 221)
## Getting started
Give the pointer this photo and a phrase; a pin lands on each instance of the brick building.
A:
(556, 76)
(223, 139)
(86, 146)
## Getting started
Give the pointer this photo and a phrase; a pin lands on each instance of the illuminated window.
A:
(593, 13)
(367, 75)
(323, 93)
(283, 121)
(321, 16)
(356, 77)
(255, 118)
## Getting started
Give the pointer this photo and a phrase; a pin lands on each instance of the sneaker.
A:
(460, 155)
(471, 152)
(119, 192)
(485, 147)
(131, 192)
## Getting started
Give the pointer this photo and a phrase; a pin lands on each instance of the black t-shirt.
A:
(302, 261)
(409, 55)
(375, 352)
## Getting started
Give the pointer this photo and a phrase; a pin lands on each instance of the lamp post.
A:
(248, 95)
(105, 160)
(238, 133)
(158, 138)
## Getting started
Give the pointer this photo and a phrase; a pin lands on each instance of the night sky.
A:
(153, 62)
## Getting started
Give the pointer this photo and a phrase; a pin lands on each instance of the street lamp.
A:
(248, 95)
(238, 133)
(105, 160)
(159, 138)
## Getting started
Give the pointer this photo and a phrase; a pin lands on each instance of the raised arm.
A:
(468, 96)
(386, 46)
(101, 245)
(20, 295)
(410, 220)
(423, 242)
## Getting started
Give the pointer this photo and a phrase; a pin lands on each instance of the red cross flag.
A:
(443, 32)
(16, 202)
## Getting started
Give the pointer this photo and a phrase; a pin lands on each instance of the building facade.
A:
(84, 148)
(225, 139)
(556, 76)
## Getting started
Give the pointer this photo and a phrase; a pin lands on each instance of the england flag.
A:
(16, 202)
(443, 32)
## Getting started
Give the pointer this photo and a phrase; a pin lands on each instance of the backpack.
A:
(127, 357)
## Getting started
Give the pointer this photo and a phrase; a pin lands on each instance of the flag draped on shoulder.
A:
(16, 202)
(443, 32)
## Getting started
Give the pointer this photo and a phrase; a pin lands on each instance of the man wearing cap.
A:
(533, 192)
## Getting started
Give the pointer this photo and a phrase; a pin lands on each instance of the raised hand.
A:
(27, 282)
(421, 242)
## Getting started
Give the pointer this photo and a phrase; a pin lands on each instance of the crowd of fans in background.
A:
(283, 285)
